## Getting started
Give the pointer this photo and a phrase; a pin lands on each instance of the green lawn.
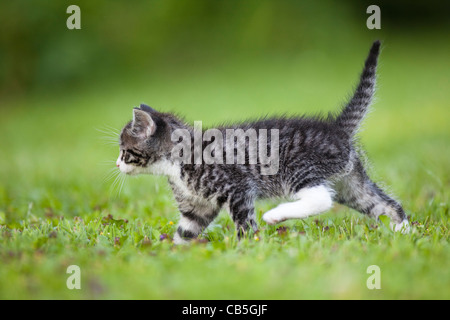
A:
(57, 210)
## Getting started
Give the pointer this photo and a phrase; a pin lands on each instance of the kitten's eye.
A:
(131, 157)
(128, 157)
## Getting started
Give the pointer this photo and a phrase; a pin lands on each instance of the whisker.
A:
(124, 178)
(111, 173)
(108, 130)
(107, 162)
(114, 185)
(107, 137)
(110, 138)
(114, 143)
(114, 139)
(110, 135)
(113, 129)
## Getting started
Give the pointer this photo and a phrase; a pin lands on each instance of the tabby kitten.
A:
(317, 163)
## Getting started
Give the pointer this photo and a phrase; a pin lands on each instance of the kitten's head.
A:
(144, 141)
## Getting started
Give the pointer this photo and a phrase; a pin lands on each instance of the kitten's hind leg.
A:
(358, 192)
(309, 201)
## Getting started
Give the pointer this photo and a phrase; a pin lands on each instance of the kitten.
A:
(317, 163)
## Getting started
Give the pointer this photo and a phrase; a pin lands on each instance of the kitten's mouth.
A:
(126, 169)
(130, 173)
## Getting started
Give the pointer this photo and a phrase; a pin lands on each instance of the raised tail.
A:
(355, 110)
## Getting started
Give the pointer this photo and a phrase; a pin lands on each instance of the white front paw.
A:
(179, 240)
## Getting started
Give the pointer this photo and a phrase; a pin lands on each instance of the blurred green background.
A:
(213, 61)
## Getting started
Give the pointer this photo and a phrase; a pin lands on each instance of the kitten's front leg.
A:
(194, 219)
(243, 213)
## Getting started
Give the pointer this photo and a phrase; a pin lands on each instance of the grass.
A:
(56, 210)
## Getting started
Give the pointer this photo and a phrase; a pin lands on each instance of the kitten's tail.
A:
(355, 110)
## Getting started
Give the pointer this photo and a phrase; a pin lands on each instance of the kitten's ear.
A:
(143, 125)
(147, 108)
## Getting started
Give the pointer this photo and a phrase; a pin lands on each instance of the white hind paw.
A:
(273, 217)
(402, 227)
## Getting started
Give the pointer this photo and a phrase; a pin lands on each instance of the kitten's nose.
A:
(117, 165)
